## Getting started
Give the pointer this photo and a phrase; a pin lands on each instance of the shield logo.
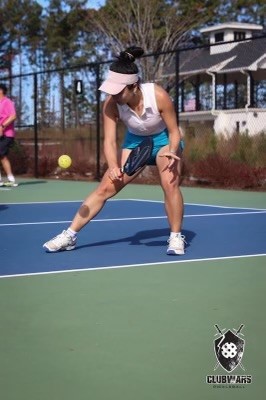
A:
(229, 349)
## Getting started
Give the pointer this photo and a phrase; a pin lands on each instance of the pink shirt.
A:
(7, 109)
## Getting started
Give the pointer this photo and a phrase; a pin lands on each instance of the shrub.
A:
(47, 165)
(220, 171)
(18, 158)
(236, 161)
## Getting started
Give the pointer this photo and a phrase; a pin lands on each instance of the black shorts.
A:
(5, 144)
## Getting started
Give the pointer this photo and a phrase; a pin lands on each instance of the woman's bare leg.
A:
(90, 207)
(6, 165)
(173, 201)
(93, 204)
(173, 198)
(95, 201)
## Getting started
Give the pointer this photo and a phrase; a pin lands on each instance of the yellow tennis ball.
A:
(64, 161)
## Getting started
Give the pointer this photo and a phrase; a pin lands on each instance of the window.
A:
(219, 37)
(239, 35)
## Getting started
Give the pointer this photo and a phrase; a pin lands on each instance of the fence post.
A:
(36, 144)
(98, 124)
(177, 66)
(62, 100)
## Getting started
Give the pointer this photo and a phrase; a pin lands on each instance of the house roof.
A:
(232, 25)
(242, 56)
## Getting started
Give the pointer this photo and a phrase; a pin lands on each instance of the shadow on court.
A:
(3, 207)
(31, 183)
(142, 238)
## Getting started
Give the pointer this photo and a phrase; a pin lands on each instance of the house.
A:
(223, 85)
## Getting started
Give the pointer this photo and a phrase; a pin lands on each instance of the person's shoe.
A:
(1, 183)
(61, 242)
(10, 184)
(176, 245)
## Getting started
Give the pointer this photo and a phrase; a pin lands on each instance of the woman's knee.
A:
(106, 190)
(170, 186)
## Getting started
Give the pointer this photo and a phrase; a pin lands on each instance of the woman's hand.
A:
(115, 174)
(172, 159)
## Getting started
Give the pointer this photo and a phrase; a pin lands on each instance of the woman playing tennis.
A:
(146, 110)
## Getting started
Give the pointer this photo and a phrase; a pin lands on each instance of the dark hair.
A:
(3, 87)
(125, 63)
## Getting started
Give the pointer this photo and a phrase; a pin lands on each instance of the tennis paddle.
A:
(138, 157)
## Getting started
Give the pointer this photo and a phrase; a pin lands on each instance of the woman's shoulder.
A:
(8, 104)
(155, 87)
(110, 107)
(162, 97)
(160, 93)
(155, 94)
(147, 85)
(7, 100)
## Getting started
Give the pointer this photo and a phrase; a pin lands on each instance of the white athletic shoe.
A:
(61, 242)
(10, 184)
(176, 245)
(1, 183)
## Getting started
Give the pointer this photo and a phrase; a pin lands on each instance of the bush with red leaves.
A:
(219, 171)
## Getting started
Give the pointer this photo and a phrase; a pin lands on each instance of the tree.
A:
(155, 25)
(34, 34)
(251, 11)
(16, 27)
(64, 41)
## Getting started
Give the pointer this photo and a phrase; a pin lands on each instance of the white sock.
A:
(174, 234)
(71, 232)
(11, 178)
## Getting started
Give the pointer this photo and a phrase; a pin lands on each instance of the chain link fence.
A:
(219, 92)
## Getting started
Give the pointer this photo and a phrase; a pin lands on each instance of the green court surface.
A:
(135, 333)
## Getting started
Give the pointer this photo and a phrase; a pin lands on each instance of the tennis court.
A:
(117, 318)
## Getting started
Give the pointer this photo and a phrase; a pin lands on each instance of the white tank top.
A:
(150, 122)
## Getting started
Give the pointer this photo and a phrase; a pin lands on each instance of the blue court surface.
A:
(125, 233)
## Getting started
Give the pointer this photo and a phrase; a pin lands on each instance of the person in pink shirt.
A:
(7, 133)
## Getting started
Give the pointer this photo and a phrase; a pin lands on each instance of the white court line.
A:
(51, 202)
(133, 218)
(41, 202)
(139, 200)
(203, 205)
(132, 265)
(234, 208)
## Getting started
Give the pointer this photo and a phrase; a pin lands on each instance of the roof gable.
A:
(243, 55)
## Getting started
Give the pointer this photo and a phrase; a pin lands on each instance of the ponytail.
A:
(125, 63)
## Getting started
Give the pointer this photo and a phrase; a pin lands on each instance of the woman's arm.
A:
(110, 116)
(9, 120)
(167, 111)
(6, 123)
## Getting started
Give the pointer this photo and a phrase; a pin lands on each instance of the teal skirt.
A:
(159, 140)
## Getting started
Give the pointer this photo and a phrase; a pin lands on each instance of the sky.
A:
(91, 3)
